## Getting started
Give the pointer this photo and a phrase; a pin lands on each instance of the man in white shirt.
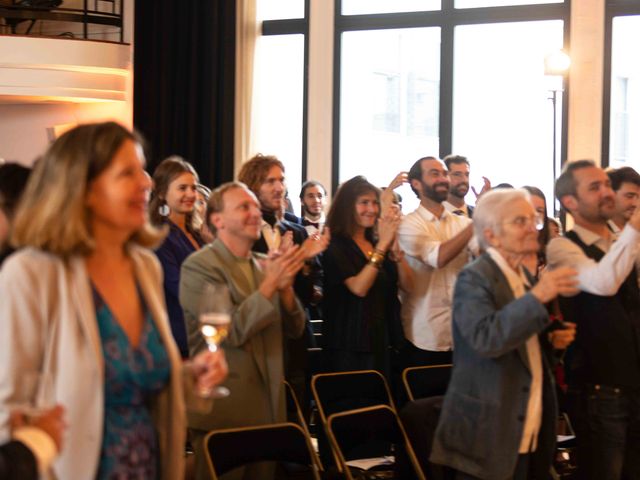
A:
(603, 368)
(459, 169)
(436, 244)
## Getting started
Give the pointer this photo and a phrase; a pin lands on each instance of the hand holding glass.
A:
(215, 319)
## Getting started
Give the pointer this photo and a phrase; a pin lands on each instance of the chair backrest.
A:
(293, 408)
(427, 381)
(280, 442)
(370, 432)
(340, 391)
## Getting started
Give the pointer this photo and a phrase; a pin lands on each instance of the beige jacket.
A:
(254, 348)
(48, 323)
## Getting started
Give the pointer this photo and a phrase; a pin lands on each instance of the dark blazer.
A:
(470, 209)
(17, 461)
(483, 414)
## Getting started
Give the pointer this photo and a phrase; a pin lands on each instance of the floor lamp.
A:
(556, 64)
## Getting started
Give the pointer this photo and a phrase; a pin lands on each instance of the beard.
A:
(433, 194)
(460, 190)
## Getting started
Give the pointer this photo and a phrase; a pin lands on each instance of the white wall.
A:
(23, 126)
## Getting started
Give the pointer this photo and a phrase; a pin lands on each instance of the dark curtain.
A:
(184, 72)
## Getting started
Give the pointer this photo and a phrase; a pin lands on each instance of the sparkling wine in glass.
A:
(215, 319)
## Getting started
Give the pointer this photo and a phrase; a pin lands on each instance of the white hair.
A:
(491, 209)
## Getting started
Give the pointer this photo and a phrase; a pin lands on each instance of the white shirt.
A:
(450, 207)
(533, 418)
(271, 235)
(311, 229)
(605, 277)
(426, 311)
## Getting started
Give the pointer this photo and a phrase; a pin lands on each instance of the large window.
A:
(624, 148)
(413, 78)
(502, 115)
(389, 97)
(278, 122)
(456, 76)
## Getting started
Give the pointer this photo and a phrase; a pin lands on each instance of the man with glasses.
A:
(436, 244)
(458, 167)
(603, 366)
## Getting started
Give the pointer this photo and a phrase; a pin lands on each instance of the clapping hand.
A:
(485, 188)
(561, 281)
(316, 243)
(388, 226)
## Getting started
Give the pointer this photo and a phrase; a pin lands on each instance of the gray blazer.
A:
(482, 420)
(254, 346)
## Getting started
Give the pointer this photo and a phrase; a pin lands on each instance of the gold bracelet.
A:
(376, 259)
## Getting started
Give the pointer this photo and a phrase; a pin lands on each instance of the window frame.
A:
(447, 18)
(296, 26)
(613, 9)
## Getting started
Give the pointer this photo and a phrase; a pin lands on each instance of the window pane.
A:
(502, 113)
(358, 7)
(624, 149)
(389, 99)
(500, 3)
(279, 9)
(277, 104)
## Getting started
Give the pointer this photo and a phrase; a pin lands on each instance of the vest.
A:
(605, 350)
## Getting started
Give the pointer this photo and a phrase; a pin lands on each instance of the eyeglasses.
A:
(523, 222)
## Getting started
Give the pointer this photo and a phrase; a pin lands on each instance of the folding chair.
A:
(293, 408)
(370, 432)
(280, 442)
(427, 381)
(340, 391)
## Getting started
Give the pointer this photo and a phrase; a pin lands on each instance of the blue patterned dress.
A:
(132, 377)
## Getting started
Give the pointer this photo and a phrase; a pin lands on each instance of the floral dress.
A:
(132, 377)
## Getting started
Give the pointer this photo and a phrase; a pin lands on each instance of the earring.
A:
(164, 210)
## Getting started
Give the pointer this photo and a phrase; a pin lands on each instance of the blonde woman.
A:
(82, 304)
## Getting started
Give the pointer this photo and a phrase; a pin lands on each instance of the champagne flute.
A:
(215, 319)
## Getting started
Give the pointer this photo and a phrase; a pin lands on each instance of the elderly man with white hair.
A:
(498, 416)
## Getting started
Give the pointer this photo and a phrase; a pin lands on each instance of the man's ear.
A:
(416, 184)
(216, 220)
(569, 202)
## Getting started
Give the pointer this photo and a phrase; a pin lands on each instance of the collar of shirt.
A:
(613, 227)
(591, 238)
(320, 221)
(430, 217)
(450, 207)
(517, 280)
(272, 235)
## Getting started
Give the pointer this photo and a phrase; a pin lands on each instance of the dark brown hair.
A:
(165, 173)
(341, 218)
